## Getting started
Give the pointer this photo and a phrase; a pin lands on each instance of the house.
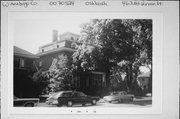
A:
(63, 44)
(143, 80)
(92, 82)
(24, 66)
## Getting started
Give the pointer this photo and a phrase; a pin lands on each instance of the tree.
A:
(142, 40)
(109, 43)
(144, 35)
(60, 73)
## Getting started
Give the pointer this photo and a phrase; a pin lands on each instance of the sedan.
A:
(25, 102)
(69, 98)
(119, 96)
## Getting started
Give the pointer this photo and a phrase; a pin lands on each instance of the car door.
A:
(76, 97)
(84, 98)
(121, 95)
(124, 95)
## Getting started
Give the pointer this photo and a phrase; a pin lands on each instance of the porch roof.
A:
(147, 74)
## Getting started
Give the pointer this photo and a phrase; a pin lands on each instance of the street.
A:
(138, 102)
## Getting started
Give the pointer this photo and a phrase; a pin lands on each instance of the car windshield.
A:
(66, 94)
(82, 94)
(79, 94)
(56, 95)
(114, 93)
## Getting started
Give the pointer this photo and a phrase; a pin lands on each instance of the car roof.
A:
(68, 91)
(118, 91)
(63, 92)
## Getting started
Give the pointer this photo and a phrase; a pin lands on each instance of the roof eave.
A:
(54, 51)
(26, 56)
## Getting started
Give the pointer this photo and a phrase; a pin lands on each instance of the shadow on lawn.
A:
(139, 102)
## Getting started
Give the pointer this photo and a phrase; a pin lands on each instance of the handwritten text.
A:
(96, 3)
(141, 3)
(24, 4)
(62, 3)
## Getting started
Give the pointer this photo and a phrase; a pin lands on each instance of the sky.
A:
(32, 30)
(30, 34)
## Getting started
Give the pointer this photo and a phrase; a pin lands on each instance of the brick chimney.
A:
(54, 35)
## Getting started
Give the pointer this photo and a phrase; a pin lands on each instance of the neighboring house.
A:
(143, 80)
(24, 66)
(90, 82)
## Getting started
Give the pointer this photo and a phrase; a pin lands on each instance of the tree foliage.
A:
(112, 45)
(59, 74)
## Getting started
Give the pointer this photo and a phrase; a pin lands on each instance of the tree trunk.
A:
(129, 76)
(108, 79)
(150, 82)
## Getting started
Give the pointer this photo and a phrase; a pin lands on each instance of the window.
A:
(73, 45)
(61, 44)
(72, 38)
(97, 80)
(103, 81)
(121, 93)
(40, 63)
(80, 94)
(42, 50)
(16, 62)
(114, 93)
(66, 94)
(22, 63)
(87, 82)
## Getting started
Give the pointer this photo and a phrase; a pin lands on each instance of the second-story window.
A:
(16, 62)
(22, 63)
(73, 45)
(72, 38)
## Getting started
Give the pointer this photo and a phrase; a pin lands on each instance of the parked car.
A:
(53, 98)
(25, 102)
(119, 96)
(69, 98)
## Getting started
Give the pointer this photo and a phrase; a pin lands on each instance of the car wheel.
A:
(29, 105)
(94, 102)
(132, 99)
(83, 104)
(110, 101)
(69, 103)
